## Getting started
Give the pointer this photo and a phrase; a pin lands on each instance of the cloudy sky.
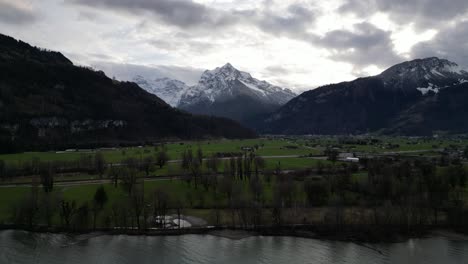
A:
(298, 44)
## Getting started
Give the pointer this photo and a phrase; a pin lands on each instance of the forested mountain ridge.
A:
(47, 102)
(401, 100)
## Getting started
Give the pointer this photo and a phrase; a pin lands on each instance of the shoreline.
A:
(345, 235)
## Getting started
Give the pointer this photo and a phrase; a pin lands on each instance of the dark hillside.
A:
(47, 102)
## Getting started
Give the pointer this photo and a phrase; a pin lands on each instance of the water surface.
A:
(24, 247)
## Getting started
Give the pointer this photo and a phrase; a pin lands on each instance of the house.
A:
(352, 159)
(246, 148)
(347, 157)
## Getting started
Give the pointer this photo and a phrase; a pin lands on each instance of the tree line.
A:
(408, 193)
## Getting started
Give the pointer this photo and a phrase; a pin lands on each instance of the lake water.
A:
(24, 247)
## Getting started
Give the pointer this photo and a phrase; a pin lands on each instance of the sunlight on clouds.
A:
(371, 70)
(260, 35)
(382, 21)
(407, 37)
(331, 20)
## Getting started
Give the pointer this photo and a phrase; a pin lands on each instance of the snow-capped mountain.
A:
(224, 91)
(424, 75)
(228, 92)
(167, 89)
(227, 82)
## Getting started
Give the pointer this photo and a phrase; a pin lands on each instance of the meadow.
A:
(285, 153)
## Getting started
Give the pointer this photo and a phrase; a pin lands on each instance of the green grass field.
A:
(8, 197)
(268, 148)
(399, 144)
(291, 148)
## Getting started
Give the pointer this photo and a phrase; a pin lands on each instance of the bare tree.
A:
(137, 201)
(114, 173)
(259, 164)
(2, 170)
(100, 199)
(256, 188)
(67, 211)
(213, 163)
(81, 218)
(226, 185)
(99, 163)
(196, 172)
(162, 158)
(27, 210)
(200, 156)
(128, 179)
(232, 166)
(48, 206)
(47, 177)
(240, 168)
(187, 159)
(160, 206)
(147, 164)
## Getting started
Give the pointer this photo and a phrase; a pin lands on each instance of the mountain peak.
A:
(226, 72)
(423, 75)
(228, 66)
(225, 91)
(426, 65)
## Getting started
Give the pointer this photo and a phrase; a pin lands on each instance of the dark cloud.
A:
(179, 45)
(424, 13)
(450, 43)
(188, 14)
(276, 70)
(12, 14)
(284, 70)
(181, 13)
(295, 21)
(87, 15)
(364, 45)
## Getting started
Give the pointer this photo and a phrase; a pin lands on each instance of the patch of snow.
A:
(435, 71)
(424, 91)
(453, 68)
(167, 89)
(253, 87)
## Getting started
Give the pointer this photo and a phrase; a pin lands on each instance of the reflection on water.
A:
(24, 247)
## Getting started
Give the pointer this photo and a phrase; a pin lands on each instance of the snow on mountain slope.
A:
(167, 89)
(227, 82)
(376, 103)
(424, 75)
(220, 84)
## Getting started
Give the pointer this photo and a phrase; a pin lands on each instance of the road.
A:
(225, 158)
(91, 182)
(157, 178)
